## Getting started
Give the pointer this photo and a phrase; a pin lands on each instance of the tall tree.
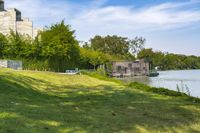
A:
(58, 43)
(136, 45)
(116, 45)
(113, 45)
(16, 45)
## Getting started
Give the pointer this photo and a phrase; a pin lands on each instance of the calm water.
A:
(170, 80)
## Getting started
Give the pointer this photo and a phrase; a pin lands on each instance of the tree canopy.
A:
(116, 45)
(169, 61)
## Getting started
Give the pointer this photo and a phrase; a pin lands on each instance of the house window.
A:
(119, 68)
(1, 6)
(136, 69)
(126, 69)
(18, 15)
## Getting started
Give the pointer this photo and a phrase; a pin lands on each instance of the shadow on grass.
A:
(24, 108)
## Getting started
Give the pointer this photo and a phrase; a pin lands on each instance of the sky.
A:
(168, 25)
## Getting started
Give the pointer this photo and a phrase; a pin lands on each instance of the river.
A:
(170, 79)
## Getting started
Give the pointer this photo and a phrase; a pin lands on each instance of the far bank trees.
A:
(118, 46)
(169, 61)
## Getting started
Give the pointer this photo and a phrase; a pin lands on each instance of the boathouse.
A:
(130, 68)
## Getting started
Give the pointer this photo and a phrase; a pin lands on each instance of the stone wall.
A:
(11, 64)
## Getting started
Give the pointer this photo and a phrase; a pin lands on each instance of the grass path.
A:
(37, 102)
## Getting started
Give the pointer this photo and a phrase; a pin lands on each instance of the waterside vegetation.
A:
(169, 61)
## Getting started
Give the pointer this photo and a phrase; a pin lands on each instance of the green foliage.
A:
(3, 42)
(113, 45)
(58, 44)
(57, 40)
(118, 46)
(136, 45)
(97, 75)
(92, 59)
(55, 49)
(166, 61)
(162, 91)
(17, 46)
(101, 70)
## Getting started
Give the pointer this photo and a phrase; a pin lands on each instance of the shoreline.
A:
(147, 88)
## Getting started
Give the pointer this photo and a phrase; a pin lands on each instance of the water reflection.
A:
(170, 80)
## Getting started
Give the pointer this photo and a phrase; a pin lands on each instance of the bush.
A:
(167, 92)
(162, 91)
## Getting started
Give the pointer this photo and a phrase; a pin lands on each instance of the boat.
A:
(153, 73)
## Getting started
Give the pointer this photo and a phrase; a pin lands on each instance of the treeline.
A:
(56, 49)
(169, 61)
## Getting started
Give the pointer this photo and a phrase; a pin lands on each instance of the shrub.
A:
(162, 91)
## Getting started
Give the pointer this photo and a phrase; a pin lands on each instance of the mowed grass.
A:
(37, 102)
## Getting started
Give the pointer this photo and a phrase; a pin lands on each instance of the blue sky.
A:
(168, 25)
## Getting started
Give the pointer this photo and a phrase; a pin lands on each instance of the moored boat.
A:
(153, 74)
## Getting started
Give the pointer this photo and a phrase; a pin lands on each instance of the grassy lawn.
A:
(37, 102)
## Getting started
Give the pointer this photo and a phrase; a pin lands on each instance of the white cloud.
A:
(95, 18)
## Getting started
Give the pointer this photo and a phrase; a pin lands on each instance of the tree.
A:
(113, 45)
(121, 47)
(169, 61)
(146, 54)
(17, 45)
(3, 42)
(58, 44)
(136, 45)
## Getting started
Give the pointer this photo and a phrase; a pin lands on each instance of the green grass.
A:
(37, 102)
(163, 91)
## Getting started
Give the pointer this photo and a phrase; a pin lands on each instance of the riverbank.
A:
(48, 102)
(137, 84)
(187, 80)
